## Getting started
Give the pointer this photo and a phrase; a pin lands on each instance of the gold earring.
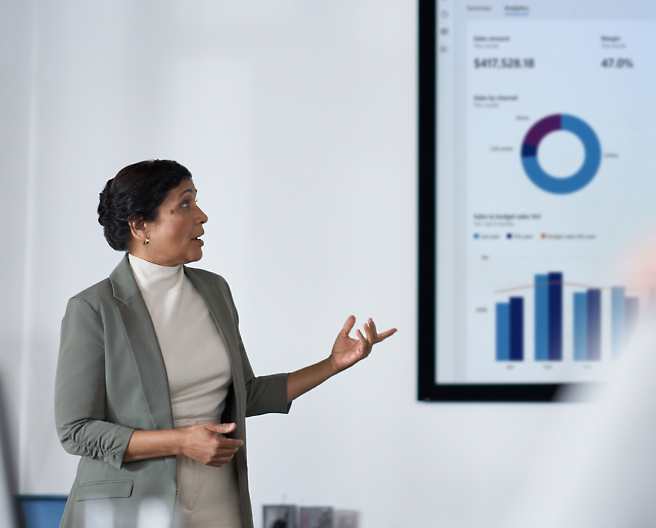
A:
(146, 242)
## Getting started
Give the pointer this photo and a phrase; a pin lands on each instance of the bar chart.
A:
(548, 317)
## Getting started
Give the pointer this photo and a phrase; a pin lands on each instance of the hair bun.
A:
(105, 203)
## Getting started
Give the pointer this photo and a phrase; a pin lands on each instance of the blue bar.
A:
(580, 326)
(618, 319)
(503, 331)
(516, 328)
(594, 325)
(542, 318)
(555, 316)
(632, 314)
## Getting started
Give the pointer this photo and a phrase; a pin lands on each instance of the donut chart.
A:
(580, 129)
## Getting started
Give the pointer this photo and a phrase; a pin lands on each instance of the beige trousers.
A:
(208, 497)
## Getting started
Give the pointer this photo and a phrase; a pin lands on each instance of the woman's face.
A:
(174, 236)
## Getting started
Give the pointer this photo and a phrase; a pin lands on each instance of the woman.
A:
(153, 382)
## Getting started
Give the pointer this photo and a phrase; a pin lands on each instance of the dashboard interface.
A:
(545, 174)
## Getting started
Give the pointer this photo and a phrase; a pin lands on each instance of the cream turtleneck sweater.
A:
(196, 359)
(198, 370)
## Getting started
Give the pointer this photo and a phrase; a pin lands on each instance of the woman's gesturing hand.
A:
(347, 351)
(201, 443)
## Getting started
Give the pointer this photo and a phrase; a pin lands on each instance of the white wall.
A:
(298, 120)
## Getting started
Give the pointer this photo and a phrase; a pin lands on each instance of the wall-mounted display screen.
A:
(537, 169)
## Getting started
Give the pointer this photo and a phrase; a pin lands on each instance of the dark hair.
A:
(136, 192)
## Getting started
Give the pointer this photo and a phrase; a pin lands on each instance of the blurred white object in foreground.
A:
(154, 513)
(98, 514)
(604, 474)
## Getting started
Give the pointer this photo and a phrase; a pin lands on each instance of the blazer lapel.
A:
(145, 349)
(220, 311)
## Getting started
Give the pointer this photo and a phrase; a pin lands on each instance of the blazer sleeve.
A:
(80, 389)
(264, 394)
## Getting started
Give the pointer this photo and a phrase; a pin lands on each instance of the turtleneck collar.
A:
(154, 278)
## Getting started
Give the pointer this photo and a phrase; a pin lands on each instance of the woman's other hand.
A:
(347, 351)
(201, 443)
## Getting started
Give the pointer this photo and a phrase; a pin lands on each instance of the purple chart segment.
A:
(542, 128)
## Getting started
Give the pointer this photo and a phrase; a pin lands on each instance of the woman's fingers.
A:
(221, 428)
(226, 450)
(204, 445)
(371, 334)
(230, 444)
(384, 335)
(348, 325)
(373, 326)
(361, 340)
(223, 458)
(377, 338)
(365, 345)
(218, 461)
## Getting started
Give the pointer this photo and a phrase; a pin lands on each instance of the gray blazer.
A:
(111, 380)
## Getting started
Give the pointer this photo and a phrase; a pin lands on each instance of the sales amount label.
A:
(504, 62)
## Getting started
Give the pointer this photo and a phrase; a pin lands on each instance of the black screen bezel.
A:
(428, 389)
